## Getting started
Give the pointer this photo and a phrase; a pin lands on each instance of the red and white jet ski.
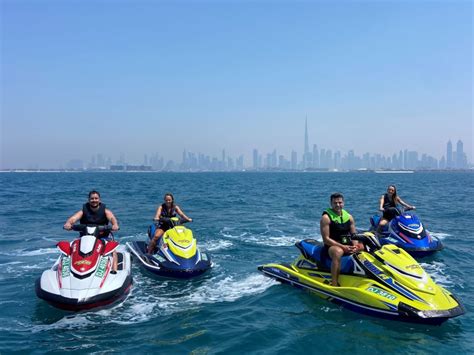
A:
(81, 278)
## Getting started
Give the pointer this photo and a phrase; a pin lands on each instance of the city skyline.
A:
(81, 78)
(316, 159)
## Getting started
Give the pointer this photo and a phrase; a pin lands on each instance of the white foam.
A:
(218, 244)
(225, 233)
(152, 297)
(229, 290)
(41, 251)
(51, 240)
(272, 236)
(437, 270)
(71, 322)
(439, 235)
(12, 263)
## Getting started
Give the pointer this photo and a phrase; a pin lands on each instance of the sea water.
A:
(242, 220)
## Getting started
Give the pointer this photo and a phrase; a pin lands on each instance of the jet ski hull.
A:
(386, 283)
(65, 290)
(76, 305)
(159, 266)
(413, 238)
(336, 295)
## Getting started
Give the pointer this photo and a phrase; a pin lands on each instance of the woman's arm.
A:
(181, 214)
(404, 204)
(381, 202)
(158, 213)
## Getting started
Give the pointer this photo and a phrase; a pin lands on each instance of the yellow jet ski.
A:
(383, 281)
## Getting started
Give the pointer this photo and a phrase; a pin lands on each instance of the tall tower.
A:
(306, 143)
(449, 155)
(306, 154)
(460, 155)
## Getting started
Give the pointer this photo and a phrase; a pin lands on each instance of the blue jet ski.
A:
(407, 232)
(176, 255)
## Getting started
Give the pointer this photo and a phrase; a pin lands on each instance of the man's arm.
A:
(353, 226)
(110, 216)
(358, 245)
(73, 219)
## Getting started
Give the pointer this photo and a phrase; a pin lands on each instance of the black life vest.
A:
(388, 201)
(166, 213)
(97, 217)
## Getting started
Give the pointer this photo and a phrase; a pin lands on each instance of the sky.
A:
(141, 77)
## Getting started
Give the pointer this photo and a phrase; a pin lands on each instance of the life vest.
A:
(97, 217)
(166, 213)
(388, 201)
(339, 226)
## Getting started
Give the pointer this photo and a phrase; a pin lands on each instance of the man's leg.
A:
(335, 253)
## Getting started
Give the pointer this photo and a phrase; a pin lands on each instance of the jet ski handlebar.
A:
(171, 220)
(399, 211)
(369, 240)
(99, 231)
(83, 227)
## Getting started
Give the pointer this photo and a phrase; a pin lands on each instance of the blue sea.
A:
(242, 220)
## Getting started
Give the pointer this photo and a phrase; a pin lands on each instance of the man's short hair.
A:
(94, 192)
(337, 195)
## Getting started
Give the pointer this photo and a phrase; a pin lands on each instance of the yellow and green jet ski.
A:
(383, 281)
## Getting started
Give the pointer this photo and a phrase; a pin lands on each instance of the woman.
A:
(166, 210)
(388, 205)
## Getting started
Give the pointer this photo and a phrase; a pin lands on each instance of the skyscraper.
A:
(460, 155)
(306, 154)
(449, 155)
(294, 160)
(255, 159)
(315, 156)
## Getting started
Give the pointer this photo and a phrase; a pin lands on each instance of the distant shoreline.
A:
(365, 171)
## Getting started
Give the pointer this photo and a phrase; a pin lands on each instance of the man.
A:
(337, 225)
(95, 212)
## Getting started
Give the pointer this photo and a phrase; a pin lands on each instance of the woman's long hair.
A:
(168, 194)
(394, 196)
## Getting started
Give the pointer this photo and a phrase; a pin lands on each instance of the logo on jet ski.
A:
(413, 266)
(83, 262)
(381, 292)
(101, 269)
(65, 267)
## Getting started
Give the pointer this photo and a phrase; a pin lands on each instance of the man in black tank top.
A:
(95, 212)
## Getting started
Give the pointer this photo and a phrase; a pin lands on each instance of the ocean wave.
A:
(229, 290)
(12, 263)
(218, 244)
(437, 271)
(41, 251)
(440, 235)
(70, 322)
(165, 299)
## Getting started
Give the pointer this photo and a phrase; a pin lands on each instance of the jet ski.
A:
(383, 281)
(82, 276)
(407, 232)
(176, 255)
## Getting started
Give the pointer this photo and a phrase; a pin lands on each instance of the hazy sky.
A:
(136, 77)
